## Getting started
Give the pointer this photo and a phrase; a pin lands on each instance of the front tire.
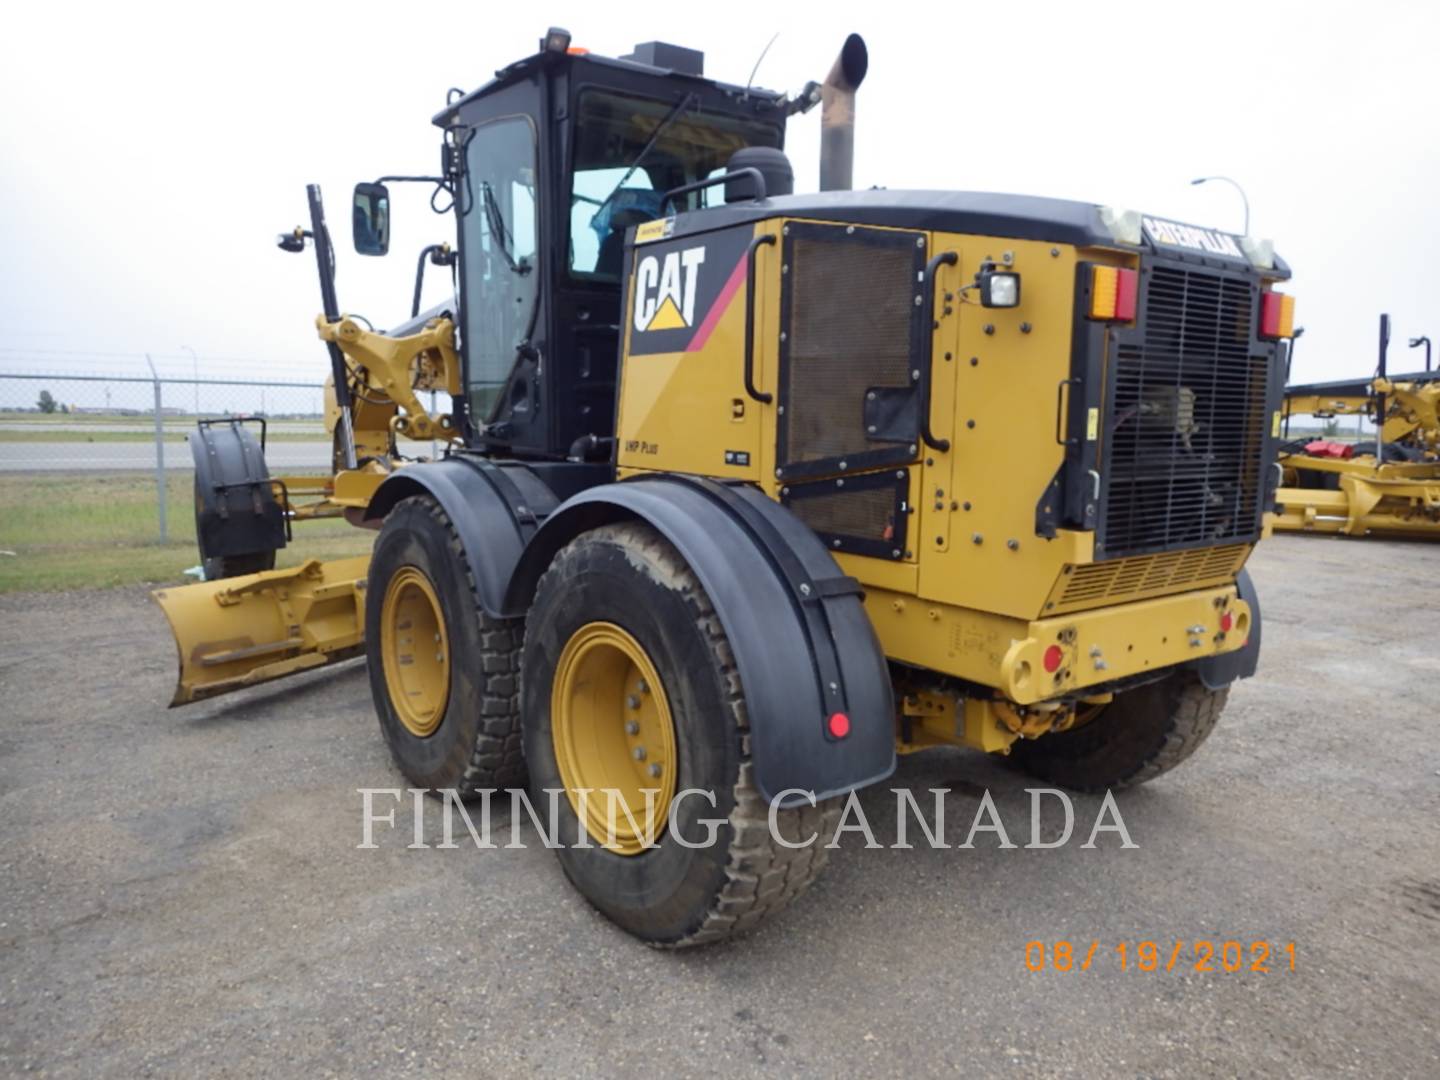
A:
(444, 676)
(616, 611)
(1140, 735)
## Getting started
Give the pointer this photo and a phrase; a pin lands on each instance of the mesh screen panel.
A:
(851, 304)
(869, 515)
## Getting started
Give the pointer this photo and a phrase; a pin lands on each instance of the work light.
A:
(555, 40)
(999, 288)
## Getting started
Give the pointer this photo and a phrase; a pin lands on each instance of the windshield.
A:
(498, 246)
(629, 151)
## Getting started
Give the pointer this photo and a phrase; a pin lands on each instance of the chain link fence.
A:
(135, 422)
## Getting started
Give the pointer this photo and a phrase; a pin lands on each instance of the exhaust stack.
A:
(837, 115)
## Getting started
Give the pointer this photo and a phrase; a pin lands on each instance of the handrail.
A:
(713, 181)
(945, 258)
(762, 396)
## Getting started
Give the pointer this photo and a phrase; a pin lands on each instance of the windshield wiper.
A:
(496, 221)
(664, 125)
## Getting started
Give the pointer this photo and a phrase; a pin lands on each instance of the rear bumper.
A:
(1109, 644)
(1094, 648)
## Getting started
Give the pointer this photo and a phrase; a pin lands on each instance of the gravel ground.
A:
(181, 892)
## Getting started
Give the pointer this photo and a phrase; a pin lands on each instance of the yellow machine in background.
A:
(747, 491)
(1388, 486)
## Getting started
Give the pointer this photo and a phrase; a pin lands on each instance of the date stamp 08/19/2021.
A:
(1199, 954)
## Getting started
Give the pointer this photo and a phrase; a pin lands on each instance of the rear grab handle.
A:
(764, 397)
(1062, 410)
(945, 258)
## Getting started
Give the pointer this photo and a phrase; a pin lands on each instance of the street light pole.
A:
(1416, 342)
(1237, 187)
(196, 360)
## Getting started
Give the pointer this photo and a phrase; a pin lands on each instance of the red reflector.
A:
(1127, 291)
(1053, 656)
(1226, 622)
(839, 725)
(1270, 314)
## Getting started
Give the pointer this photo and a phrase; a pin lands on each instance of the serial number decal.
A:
(654, 230)
(1234, 956)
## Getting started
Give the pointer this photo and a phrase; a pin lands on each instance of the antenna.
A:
(751, 81)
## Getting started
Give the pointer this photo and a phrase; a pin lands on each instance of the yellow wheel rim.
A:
(415, 651)
(614, 737)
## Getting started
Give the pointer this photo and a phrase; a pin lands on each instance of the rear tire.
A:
(1140, 735)
(472, 739)
(670, 895)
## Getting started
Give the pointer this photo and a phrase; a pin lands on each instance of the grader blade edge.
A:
(243, 631)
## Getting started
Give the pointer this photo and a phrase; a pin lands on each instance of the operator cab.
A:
(556, 158)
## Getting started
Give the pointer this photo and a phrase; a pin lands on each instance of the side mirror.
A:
(371, 219)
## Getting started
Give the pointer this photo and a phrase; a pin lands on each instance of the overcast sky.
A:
(150, 153)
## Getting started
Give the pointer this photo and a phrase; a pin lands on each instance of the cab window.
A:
(629, 151)
(499, 247)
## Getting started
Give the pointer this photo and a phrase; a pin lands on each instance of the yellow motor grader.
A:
(747, 491)
(1388, 486)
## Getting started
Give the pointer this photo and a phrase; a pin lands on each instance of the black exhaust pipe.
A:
(837, 115)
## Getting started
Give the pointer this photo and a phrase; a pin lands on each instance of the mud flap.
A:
(803, 644)
(243, 631)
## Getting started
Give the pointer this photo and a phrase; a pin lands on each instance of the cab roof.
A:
(524, 68)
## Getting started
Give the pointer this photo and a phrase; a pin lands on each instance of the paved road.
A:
(147, 427)
(180, 892)
(78, 456)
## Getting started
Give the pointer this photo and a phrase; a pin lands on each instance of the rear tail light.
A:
(1277, 315)
(1113, 293)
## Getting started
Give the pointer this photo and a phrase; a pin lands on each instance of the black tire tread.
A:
(762, 877)
(498, 759)
(1105, 758)
(1194, 715)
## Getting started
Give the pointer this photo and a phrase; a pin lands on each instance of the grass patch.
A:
(70, 531)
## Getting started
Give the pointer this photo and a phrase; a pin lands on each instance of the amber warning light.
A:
(1113, 293)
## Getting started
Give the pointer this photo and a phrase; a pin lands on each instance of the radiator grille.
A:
(851, 324)
(1142, 576)
(1182, 457)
